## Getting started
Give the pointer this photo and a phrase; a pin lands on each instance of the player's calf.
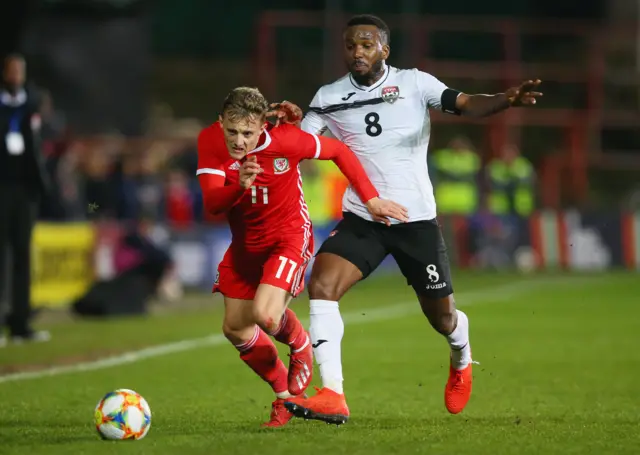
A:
(291, 333)
(261, 355)
(454, 325)
(280, 322)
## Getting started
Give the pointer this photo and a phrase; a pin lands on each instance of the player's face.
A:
(14, 73)
(242, 134)
(364, 50)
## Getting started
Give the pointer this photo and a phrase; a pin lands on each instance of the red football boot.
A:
(458, 389)
(280, 416)
(327, 406)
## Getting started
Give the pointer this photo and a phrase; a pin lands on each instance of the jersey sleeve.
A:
(313, 122)
(302, 145)
(217, 198)
(431, 89)
(209, 161)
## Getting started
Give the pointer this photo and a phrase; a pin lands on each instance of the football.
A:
(123, 414)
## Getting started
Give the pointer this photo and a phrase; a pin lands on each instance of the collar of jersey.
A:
(374, 86)
(14, 101)
(265, 144)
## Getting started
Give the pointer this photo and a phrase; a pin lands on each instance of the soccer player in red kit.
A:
(250, 171)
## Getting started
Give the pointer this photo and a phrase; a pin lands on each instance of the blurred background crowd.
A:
(128, 84)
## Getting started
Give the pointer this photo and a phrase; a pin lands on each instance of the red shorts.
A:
(283, 266)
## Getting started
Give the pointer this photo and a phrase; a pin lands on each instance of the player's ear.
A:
(386, 51)
(220, 118)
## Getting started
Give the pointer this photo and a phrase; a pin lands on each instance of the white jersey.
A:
(387, 125)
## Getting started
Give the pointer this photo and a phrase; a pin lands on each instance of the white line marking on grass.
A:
(364, 316)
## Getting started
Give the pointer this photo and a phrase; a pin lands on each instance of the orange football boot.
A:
(279, 415)
(458, 389)
(326, 405)
(300, 369)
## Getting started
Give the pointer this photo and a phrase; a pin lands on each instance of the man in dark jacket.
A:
(23, 181)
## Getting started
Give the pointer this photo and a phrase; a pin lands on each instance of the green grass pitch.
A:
(558, 363)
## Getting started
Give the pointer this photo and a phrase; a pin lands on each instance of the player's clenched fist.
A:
(249, 171)
(381, 210)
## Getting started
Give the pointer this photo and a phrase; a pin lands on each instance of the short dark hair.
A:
(370, 19)
(244, 102)
(13, 56)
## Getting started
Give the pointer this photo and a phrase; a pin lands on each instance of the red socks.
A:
(262, 357)
(291, 332)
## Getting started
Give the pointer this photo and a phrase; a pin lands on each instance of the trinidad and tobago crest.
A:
(391, 94)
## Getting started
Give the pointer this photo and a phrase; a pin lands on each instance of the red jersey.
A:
(273, 208)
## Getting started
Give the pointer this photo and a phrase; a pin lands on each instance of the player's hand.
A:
(381, 210)
(249, 170)
(285, 112)
(525, 94)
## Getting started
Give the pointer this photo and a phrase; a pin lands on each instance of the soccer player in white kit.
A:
(382, 114)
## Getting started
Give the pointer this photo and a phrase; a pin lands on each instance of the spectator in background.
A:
(179, 200)
(511, 180)
(511, 197)
(70, 182)
(149, 182)
(457, 174)
(126, 177)
(99, 186)
(23, 181)
(138, 254)
(54, 144)
(144, 271)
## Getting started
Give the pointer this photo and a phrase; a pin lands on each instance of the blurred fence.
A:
(69, 257)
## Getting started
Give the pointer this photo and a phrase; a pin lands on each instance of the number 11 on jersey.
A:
(254, 194)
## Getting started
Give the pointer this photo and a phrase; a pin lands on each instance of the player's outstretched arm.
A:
(325, 148)
(484, 105)
(380, 209)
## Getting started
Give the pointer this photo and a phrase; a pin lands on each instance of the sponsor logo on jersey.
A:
(390, 94)
(235, 166)
(280, 165)
(349, 95)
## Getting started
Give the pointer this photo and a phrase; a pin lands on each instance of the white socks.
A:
(459, 342)
(326, 329)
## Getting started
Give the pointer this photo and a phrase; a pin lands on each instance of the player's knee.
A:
(237, 335)
(266, 318)
(444, 322)
(441, 314)
(323, 287)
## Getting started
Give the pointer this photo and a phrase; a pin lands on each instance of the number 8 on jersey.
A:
(374, 128)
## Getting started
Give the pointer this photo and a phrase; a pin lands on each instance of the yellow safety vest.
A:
(512, 188)
(314, 190)
(456, 181)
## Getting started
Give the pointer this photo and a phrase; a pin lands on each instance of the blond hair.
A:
(245, 102)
